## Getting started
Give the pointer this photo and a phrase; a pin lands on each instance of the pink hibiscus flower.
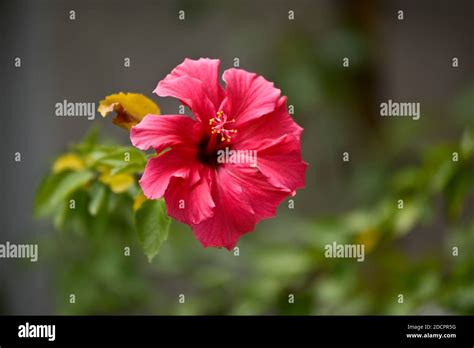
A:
(221, 200)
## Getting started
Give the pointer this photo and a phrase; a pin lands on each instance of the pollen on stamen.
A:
(218, 124)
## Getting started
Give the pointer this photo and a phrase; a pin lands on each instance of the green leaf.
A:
(132, 168)
(406, 179)
(56, 188)
(152, 225)
(119, 158)
(88, 142)
(441, 177)
(408, 217)
(60, 215)
(98, 197)
(467, 143)
(456, 193)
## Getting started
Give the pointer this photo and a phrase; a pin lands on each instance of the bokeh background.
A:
(408, 251)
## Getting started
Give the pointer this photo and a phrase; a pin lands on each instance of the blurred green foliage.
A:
(93, 195)
(91, 261)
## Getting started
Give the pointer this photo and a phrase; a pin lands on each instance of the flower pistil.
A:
(217, 126)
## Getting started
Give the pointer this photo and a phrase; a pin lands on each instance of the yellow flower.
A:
(68, 161)
(130, 108)
(118, 183)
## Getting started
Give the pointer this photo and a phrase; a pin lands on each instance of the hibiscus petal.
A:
(163, 131)
(242, 196)
(233, 214)
(269, 126)
(280, 161)
(205, 70)
(188, 203)
(263, 195)
(191, 92)
(159, 171)
(249, 96)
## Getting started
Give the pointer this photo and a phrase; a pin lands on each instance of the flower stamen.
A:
(217, 126)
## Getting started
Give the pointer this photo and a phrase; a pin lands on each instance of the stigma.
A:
(218, 126)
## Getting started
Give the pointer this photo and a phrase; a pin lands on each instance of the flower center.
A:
(219, 138)
(218, 125)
